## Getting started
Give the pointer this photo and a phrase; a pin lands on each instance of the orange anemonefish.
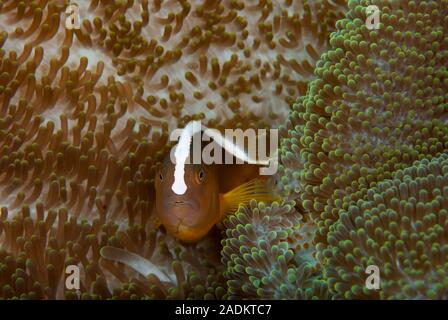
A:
(208, 198)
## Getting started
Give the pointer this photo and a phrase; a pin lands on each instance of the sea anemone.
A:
(194, 270)
(379, 103)
(172, 62)
(401, 226)
(36, 250)
(287, 177)
(35, 254)
(85, 114)
(268, 254)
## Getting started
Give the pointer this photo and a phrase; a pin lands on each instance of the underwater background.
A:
(85, 116)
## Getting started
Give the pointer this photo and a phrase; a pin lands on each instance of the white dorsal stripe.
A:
(182, 152)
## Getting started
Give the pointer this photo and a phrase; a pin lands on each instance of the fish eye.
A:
(201, 175)
(160, 176)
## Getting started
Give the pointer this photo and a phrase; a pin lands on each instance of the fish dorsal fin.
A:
(257, 189)
(136, 262)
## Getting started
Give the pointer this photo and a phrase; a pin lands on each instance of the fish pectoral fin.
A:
(256, 189)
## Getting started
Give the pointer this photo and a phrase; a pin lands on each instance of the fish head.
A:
(191, 215)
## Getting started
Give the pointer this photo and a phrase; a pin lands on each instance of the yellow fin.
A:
(257, 189)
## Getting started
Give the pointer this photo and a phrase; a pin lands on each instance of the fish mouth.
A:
(176, 202)
(180, 203)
